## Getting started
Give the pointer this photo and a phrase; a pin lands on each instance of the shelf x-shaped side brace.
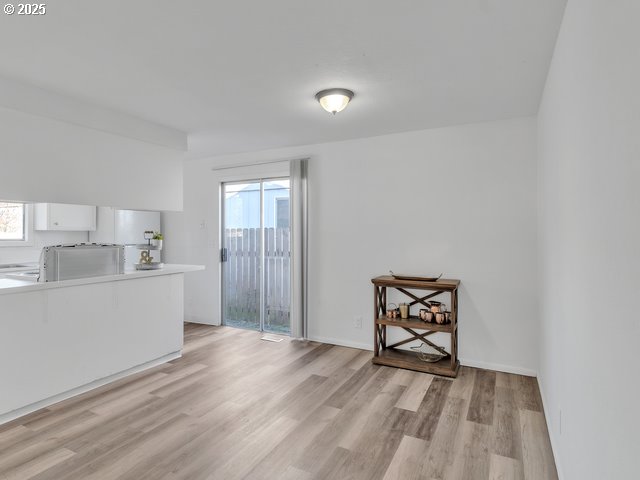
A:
(416, 299)
(422, 338)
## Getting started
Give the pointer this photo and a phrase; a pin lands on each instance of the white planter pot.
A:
(157, 244)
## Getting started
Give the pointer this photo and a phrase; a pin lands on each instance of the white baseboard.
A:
(466, 362)
(341, 343)
(552, 439)
(201, 320)
(20, 412)
(498, 367)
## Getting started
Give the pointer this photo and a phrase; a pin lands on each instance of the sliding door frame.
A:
(223, 247)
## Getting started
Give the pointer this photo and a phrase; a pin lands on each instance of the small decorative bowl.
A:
(427, 353)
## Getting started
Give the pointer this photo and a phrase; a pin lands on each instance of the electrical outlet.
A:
(357, 322)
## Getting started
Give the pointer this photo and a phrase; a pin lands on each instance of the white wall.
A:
(41, 239)
(459, 200)
(49, 160)
(589, 150)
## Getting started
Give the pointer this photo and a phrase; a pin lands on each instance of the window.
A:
(14, 224)
(282, 212)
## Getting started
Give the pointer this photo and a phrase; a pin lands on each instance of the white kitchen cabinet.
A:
(63, 217)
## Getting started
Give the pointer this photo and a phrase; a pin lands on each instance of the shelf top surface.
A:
(441, 284)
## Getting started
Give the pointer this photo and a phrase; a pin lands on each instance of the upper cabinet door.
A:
(63, 217)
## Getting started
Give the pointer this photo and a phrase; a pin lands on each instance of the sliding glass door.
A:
(256, 252)
(241, 255)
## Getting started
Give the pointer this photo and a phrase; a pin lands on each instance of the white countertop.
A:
(11, 285)
(26, 266)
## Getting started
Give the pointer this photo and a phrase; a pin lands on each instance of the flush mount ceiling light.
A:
(334, 100)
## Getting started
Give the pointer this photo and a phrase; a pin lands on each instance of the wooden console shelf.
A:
(392, 356)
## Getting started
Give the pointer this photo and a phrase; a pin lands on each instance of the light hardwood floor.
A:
(237, 407)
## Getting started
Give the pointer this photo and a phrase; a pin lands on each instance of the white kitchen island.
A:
(59, 339)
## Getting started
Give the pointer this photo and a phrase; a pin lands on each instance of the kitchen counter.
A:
(18, 267)
(11, 285)
(60, 339)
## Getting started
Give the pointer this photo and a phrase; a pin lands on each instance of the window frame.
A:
(28, 228)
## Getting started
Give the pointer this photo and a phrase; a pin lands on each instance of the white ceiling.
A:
(241, 75)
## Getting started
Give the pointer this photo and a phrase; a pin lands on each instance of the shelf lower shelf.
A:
(393, 357)
(414, 322)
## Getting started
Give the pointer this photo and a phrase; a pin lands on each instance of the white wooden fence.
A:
(242, 278)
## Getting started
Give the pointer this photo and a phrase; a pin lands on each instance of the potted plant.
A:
(157, 239)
